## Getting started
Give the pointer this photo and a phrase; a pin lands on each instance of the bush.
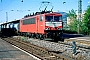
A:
(69, 31)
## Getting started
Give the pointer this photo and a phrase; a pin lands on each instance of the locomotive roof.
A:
(43, 12)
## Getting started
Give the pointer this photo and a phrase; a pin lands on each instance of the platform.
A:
(10, 52)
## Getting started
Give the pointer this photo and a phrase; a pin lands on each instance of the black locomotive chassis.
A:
(55, 34)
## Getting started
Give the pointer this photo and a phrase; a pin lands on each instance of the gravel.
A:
(52, 46)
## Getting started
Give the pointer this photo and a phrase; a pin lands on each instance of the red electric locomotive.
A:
(42, 25)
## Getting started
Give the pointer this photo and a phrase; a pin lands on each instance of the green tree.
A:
(73, 20)
(86, 22)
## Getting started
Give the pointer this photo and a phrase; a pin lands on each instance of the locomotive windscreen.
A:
(53, 18)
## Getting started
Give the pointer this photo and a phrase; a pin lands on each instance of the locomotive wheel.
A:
(21, 34)
(32, 36)
(41, 37)
(37, 36)
(25, 34)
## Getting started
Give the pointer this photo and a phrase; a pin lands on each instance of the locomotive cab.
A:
(53, 26)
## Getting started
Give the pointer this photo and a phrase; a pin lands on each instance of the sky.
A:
(16, 9)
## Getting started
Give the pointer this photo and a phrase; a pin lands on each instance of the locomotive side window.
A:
(29, 21)
(33, 20)
(41, 18)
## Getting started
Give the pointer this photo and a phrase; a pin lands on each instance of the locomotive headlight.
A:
(47, 28)
(59, 28)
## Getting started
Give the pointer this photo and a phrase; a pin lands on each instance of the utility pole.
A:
(6, 16)
(79, 14)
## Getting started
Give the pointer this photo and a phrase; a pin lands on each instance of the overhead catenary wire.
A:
(6, 13)
(6, 6)
(45, 4)
(1, 0)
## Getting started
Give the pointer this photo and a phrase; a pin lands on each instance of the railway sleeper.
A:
(31, 49)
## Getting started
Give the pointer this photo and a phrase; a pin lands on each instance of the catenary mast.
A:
(79, 14)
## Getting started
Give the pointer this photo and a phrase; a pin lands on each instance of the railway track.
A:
(40, 52)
